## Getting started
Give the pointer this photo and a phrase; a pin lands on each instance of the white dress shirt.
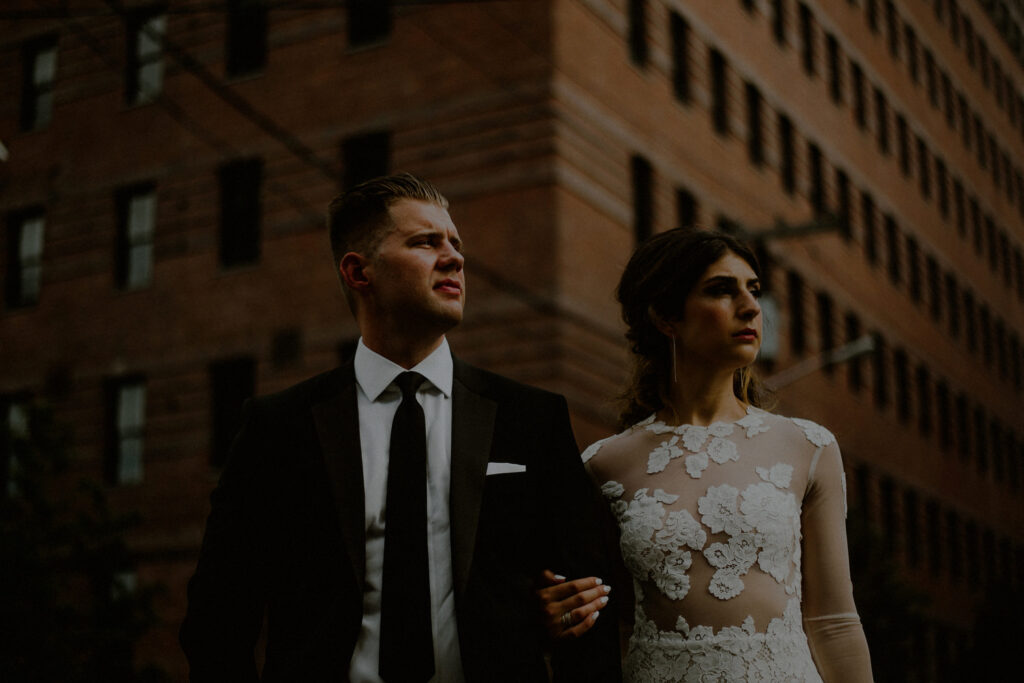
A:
(377, 401)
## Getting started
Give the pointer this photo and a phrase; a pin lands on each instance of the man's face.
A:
(416, 277)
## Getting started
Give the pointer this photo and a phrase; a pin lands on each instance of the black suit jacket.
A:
(285, 538)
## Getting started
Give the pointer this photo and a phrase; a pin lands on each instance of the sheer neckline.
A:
(653, 423)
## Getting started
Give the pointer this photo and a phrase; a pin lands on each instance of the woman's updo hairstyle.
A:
(654, 286)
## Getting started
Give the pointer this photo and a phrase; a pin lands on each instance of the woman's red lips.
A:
(449, 285)
(749, 332)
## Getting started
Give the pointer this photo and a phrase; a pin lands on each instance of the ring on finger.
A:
(566, 619)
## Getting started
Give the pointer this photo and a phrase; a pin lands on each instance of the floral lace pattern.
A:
(737, 526)
(735, 653)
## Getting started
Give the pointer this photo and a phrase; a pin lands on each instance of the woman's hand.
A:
(570, 608)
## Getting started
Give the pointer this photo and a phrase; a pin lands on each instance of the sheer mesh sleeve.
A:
(831, 622)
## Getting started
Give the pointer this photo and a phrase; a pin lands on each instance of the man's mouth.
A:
(449, 286)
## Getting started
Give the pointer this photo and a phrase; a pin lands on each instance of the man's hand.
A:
(570, 608)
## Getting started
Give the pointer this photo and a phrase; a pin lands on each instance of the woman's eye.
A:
(756, 293)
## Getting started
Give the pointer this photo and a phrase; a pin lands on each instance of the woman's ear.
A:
(660, 323)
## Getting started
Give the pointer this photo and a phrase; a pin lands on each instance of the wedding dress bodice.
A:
(711, 521)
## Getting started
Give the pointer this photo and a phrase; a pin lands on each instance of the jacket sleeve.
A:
(226, 595)
(831, 622)
(580, 549)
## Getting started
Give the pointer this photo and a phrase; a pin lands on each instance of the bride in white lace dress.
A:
(731, 518)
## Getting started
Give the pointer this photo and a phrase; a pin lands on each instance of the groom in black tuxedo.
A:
(390, 519)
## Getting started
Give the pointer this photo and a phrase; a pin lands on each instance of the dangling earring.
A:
(675, 379)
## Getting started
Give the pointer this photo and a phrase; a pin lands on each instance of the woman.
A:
(713, 494)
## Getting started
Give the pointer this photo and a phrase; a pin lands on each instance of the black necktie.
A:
(406, 639)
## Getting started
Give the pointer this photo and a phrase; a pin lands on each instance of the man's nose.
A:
(452, 258)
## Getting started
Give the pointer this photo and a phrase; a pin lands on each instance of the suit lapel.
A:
(472, 430)
(337, 425)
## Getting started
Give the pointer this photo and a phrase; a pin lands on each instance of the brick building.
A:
(165, 168)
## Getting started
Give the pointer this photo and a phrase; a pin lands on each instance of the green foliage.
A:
(67, 615)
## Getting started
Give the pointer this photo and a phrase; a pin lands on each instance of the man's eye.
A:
(756, 293)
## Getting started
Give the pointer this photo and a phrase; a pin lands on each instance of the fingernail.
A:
(599, 581)
(606, 589)
(559, 577)
(604, 600)
(595, 616)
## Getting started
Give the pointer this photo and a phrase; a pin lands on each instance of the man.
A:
(391, 518)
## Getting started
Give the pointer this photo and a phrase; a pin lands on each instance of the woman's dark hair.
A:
(655, 284)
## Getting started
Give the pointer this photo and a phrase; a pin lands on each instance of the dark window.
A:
(826, 337)
(246, 37)
(934, 287)
(887, 508)
(984, 323)
(369, 21)
(931, 78)
(286, 347)
(24, 257)
(859, 98)
(817, 181)
(1018, 269)
(871, 8)
(993, 242)
(1013, 463)
(913, 269)
(806, 38)
(643, 197)
(924, 400)
(15, 426)
(232, 382)
(1015, 360)
(868, 218)
(996, 444)
(365, 156)
(910, 38)
(941, 187)
(787, 157)
(880, 374)
(686, 208)
(924, 169)
(981, 439)
(968, 40)
(882, 121)
(954, 545)
(911, 528)
(144, 66)
(965, 120)
(977, 229)
(959, 207)
(755, 133)
(719, 89)
(835, 74)
(795, 291)
(947, 99)
(903, 143)
(954, 24)
(680, 57)
(934, 532)
(779, 21)
(953, 304)
(39, 70)
(240, 211)
(854, 375)
(970, 328)
(963, 422)
(1000, 344)
(983, 60)
(892, 29)
(981, 148)
(902, 381)
(892, 247)
(843, 207)
(136, 223)
(638, 32)
(943, 414)
(126, 419)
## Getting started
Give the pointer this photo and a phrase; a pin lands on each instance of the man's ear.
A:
(353, 271)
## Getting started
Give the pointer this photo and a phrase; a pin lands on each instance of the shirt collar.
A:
(375, 373)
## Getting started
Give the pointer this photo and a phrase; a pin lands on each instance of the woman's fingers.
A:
(571, 607)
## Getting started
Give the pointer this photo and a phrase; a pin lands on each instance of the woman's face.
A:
(721, 323)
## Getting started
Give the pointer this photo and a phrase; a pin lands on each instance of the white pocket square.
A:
(504, 468)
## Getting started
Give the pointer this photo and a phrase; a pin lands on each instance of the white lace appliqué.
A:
(734, 653)
(652, 542)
